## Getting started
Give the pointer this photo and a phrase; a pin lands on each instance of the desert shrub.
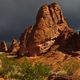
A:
(8, 66)
(12, 69)
(37, 72)
(71, 65)
(42, 69)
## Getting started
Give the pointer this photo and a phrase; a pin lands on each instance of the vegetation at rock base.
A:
(12, 69)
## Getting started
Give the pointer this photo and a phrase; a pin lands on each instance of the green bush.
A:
(12, 69)
(37, 72)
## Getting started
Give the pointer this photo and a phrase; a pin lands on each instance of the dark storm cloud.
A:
(15, 14)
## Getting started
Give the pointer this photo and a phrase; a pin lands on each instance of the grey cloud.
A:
(15, 14)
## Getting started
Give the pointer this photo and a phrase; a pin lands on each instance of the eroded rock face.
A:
(50, 23)
(14, 46)
(3, 47)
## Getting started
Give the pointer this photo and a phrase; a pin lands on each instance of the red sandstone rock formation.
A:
(14, 46)
(3, 46)
(50, 24)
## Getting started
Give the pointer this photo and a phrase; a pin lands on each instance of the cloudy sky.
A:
(16, 14)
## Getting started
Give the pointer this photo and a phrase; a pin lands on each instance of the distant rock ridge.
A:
(14, 47)
(50, 24)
